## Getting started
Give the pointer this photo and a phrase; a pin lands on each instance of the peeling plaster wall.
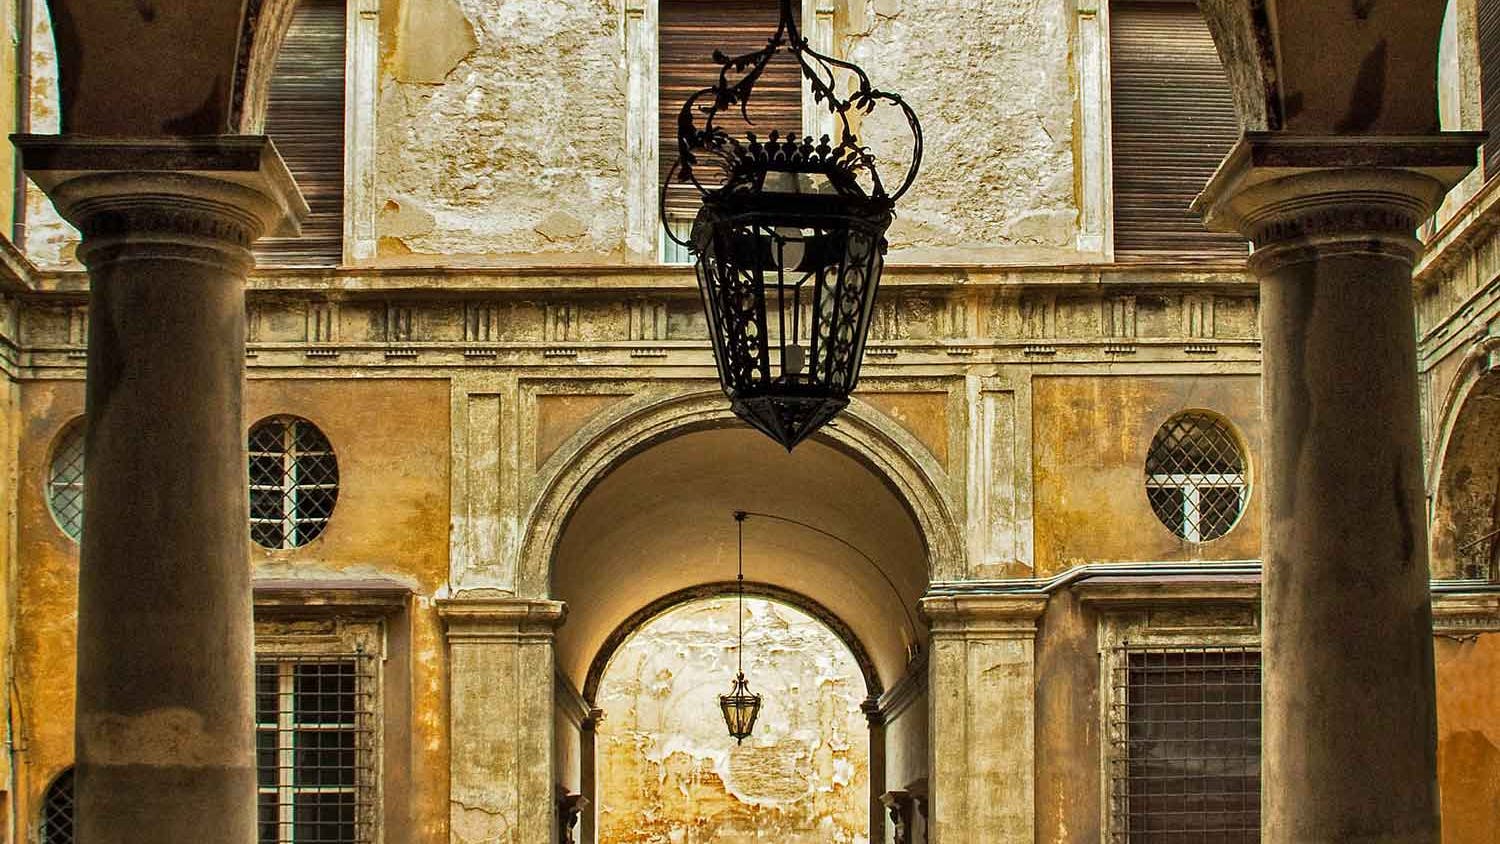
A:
(992, 84)
(667, 771)
(501, 131)
(50, 240)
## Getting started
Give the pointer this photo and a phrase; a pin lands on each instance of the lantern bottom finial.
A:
(788, 419)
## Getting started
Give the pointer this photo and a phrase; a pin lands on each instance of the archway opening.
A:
(668, 771)
(1466, 512)
(827, 526)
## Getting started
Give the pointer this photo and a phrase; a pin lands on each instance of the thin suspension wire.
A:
(740, 585)
(910, 623)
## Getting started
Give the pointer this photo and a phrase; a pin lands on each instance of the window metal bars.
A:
(316, 749)
(65, 481)
(1185, 745)
(1195, 476)
(294, 482)
(57, 810)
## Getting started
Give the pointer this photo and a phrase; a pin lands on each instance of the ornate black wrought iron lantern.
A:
(741, 706)
(790, 239)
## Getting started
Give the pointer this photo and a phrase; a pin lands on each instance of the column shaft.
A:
(1349, 752)
(164, 727)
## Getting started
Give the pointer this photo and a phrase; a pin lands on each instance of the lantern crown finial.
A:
(790, 238)
(715, 162)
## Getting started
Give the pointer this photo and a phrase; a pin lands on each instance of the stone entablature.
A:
(622, 317)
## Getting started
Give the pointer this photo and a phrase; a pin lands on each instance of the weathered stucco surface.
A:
(1090, 436)
(1469, 737)
(992, 85)
(391, 438)
(668, 772)
(509, 149)
(50, 240)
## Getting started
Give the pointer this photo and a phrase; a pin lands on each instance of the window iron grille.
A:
(1185, 727)
(57, 810)
(65, 481)
(294, 482)
(1195, 476)
(315, 741)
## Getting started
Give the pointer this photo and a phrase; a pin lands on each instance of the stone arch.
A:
(665, 604)
(888, 451)
(1463, 479)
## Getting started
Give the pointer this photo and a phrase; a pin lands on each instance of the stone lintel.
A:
(244, 172)
(1168, 593)
(512, 620)
(992, 616)
(1274, 186)
(373, 597)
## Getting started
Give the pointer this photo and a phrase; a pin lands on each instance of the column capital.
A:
(219, 192)
(989, 615)
(1300, 197)
(513, 620)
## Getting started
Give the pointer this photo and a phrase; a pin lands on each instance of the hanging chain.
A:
(739, 517)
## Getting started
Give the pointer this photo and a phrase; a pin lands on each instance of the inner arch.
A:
(662, 521)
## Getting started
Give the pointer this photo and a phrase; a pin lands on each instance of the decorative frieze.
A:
(934, 327)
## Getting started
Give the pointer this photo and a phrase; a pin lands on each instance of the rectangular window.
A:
(1185, 729)
(305, 119)
(1172, 121)
(315, 741)
(689, 32)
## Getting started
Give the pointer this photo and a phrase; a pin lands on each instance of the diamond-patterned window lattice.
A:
(1195, 476)
(57, 810)
(65, 480)
(294, 482)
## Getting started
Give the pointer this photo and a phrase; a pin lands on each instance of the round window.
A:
(65, 480)
(294, 482)
(1195, 476)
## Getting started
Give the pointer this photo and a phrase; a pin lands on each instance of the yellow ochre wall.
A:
(1090, 435)
(391, 522)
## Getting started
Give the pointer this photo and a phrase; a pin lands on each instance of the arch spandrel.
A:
(890, 452)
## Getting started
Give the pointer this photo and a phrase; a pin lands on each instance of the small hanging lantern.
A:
(790, 239)
(741, 706)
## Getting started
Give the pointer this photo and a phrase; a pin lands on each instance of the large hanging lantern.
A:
(741, 706)
(790, 239)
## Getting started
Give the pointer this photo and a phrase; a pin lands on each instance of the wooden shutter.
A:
(1489, 82)
(1173, 122)
(305, 117)
(690, 32)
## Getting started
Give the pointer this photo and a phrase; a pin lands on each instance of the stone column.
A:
(981, 680)
(876, 719)
(164, 726)
(588, 774)
(500, 680)
(1349, 699)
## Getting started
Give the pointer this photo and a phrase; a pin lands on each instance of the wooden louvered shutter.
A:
(1173, 121)
(1489, 82)
(305, 117)
(690, 32)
